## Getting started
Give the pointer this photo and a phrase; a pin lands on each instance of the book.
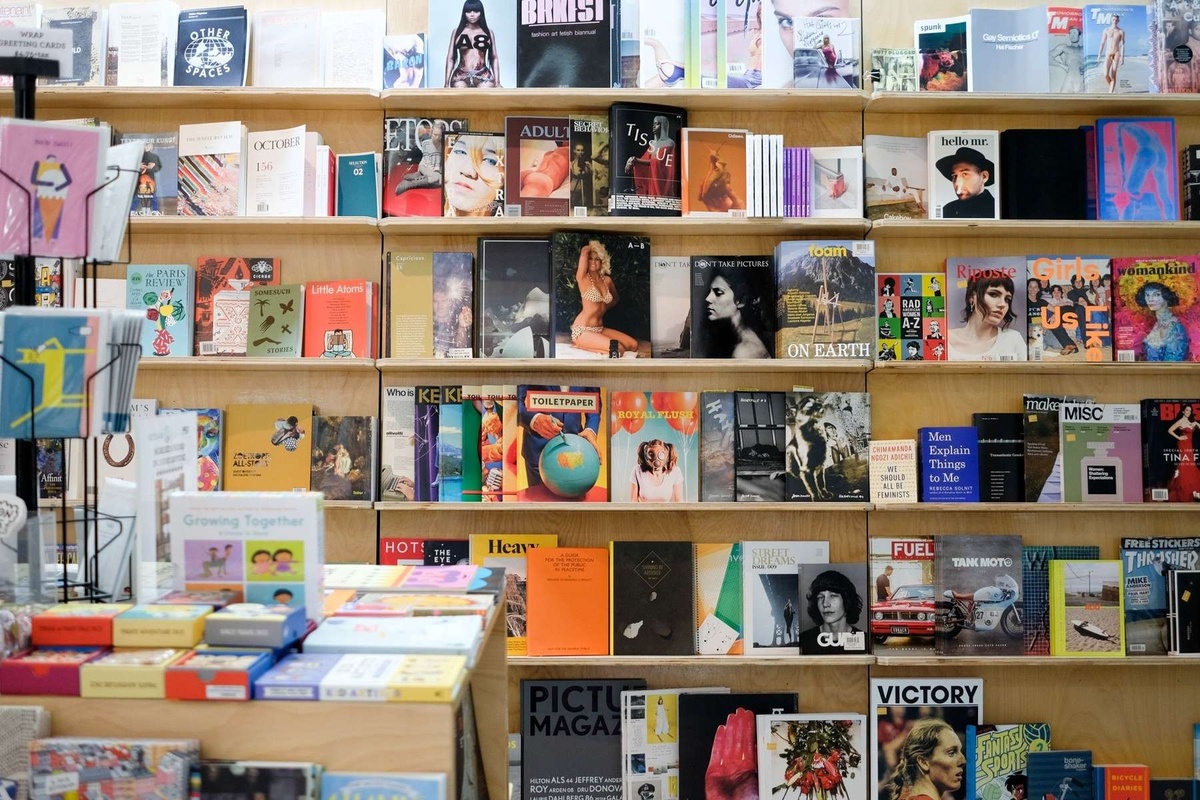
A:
(644, 160)
(88, 27)
(896, 176)
(1101, 452)
(717, 447)
(836, 182)
(893, 471)
(168, 461)
(122, 765)
(212, 157)
(828, 446)
(1043, 462)
(653, 446)
(1061, 773)
(650, 741)
(1035, 589)
(560, 47)
(571, 734)
(131, 673)
(1156, 309)
(358, 185)
(268, 447)
(212, 47)
(718, 598)
(1116, 38)
(561, 584)
(602, 295)
(663, 45)
(154, 625)
(1122, 782)
(1069, 305)
(984, 301)
(1087, 614)
(449, 552)
(977, 586)
(912, 317)
(537, 166)
(1184, 624)
(223, 284)
(351, 40)
(1168, 788)
(948, 458)
(404, 61)
(964, 177)
(998, 756)
(901, 708)
(1045, 174)
(818, 748)
(1001, 457)
(339, 319)
(1170, 471)
(833, 597)
(1146, 565)
(670, 314)
(480, 55)
(651, 599)
(344, 458)
(452, 635)
(275, 168)
(425, 441)
(895, 69)
(141, 44)
(413, 154)
(902, 613)
(286, 47)
(1009, 50)
(825, 304)
(397, 477)
(276, 321)
(771, 594)
(825, 51)
(589, 140)
(717, 732)
(1137, 168)
(731, 315)
(513, 298)
(1064, 30)
(760, 457)
(473, 173)
(295, 677)
(943, 45)
(714, 172)
(349, 785)
(164, 295)
(219, 777)
(509, 551)
(563, 443)
(743, 34)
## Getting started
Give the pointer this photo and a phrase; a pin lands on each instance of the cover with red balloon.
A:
(562, 436)
(655, 447)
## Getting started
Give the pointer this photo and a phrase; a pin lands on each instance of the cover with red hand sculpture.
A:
(718, 754)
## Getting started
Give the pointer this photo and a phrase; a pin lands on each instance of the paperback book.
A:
(602, 295)
(397, 475)
(268, 447)
(731, 315)
(1137, 169)
(825, 307)
(654, 447)
(893, 471)
(275, 173)
(1156, 309)
(277, 320)
(670, 315)
(344, 457)
(828, 446)
(714, 172)
(514, 298)
(87, 25)
(912, 317)
(212, 157)
(948, 459)
(413, 150)
(1087, 614)
(508, 551)
(771, 594)
(340, 319)
(223, 284)
(652, 604)
(650, 740)
(208, 444)
(164, 295)
(834, 598)
(564, 617)
(1009, 50)
(718, 570)
(998, 756)
(717, 447)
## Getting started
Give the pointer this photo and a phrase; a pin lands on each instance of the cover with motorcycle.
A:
(978, 596)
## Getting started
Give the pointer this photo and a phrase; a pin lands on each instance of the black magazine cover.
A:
(718, 742)
(760, 440)
(565, 44)
(412, 164)
(733, 307)
(828, 446)
(645, 169)
(1170, 469)
(983, 617)
(211, 47)
(652, 599)
(513, 297)
(611, 303)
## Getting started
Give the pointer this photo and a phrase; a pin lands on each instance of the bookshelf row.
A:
(983, 508)
(818, 662)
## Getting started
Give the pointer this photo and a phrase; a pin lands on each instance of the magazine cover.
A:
(654, 446)
(902, 607)
(1170, 467)
(344, 454)
(825, 52)
(563, 443)
(473, 175)
(997, 768)
(652, 601)
(760, 431)
(744, 43)
(156, 193)
(717, 447)
(709, 59)
(978, 596)
(1116, 38)
(1009, 50)
(1087, 617)
(1101, 452)
(662, 28)
(771, 594)
(1138, 169)
(1145, 566)
(560, 45)
(1067, 56)
(828, 446)
(798, 750)
(644, 166)
(1035, 586)
(650, 741)
(671, 312)
(731, 315)
(836, 182)
(453, 304)
(223, 284)
(1156, 309)
(1173, 46)
(513, 298)
(1069, 305)
(943, 44)
(897, 69)
(985, 298)
(537, 166)
(896, 177)
(717, 736)
(714, 172)
(912, 317)
(825, 306)
(404, 61)
(589, 139)
(472, 45)
(413, 149)
(602, 303)
(912, 715)
(964, 177)
(718, 571)
(833, 597)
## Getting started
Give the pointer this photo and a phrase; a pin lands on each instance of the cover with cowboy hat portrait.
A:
(964, 179)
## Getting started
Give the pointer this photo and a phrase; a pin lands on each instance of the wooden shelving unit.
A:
(623, 366)
(604, 508)
(1015, 229)
(235, 364)
(646, 226)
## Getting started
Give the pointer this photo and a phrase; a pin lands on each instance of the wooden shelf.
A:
(1035, 508)
(640, 366)
(648, 226)
(601, 508)
(1031, 228)
(257, 226)
(350, 505)
(531, 662)
(187, 98)
(1030, 661)
(1092, 105)
(235, 364)
(1043, 367)
(513, 100)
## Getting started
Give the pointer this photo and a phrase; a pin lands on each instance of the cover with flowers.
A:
(813, 754)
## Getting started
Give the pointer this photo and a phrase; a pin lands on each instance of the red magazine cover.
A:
(228, 278)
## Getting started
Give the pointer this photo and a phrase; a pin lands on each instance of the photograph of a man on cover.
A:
(971, 172)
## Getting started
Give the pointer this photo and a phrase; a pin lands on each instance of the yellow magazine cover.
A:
(508, 550)
(427, 679)
(268, 447)
(1087, 609)
(562, 444)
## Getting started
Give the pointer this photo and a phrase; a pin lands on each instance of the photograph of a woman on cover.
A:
(654, 171)
(929, 762)
(473, 60)
(657, 476)
(474, 175)
(984, 334)
(834, 606)
(598, 294)
(1184, 485)
(738, 316)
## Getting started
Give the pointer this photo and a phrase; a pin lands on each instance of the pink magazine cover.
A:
(59, 166)
(1156, 308)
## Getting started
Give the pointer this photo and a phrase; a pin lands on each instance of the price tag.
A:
(51, 44)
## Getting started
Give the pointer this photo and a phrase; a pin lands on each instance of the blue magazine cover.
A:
(1116, 46)
(948, 459)
(1146, 562)
(409, 785)
(1061, 774)
(211, 48)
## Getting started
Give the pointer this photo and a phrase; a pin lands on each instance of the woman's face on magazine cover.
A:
(945, 766)
(996, 301)
(471, 186)
(720, 301)
(787, 11)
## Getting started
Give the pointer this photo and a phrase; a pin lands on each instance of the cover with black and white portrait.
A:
(827, 454)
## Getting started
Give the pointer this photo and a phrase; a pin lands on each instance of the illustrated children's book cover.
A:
(268, 448)
(654, 446)
(1087, 609)
(164, 294)
(1000, 754)
(1156, 308)
(826, 300)
(562, 444)
(351, 785)
(912, 317)
(222, 314)
(276, 328)
(602, 305)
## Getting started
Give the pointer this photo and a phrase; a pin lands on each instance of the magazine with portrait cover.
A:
(644, 170)
(412, 164)
(1069, 305)
(473, 174)
(771, 617)
(984, 575)
(825, 52)
(714, 172)
(984, 300)
(833, 599)
(943, 44)
(896, 177)
(589, 140)
(819, 750)
(602, 295)
(827, 447)
(650, 741)
(1170, 466)
(901, 612)
(561, 45)
(513, 298)
(732, 315)
(537, 166)
(964, 174)
(472, 45)
(157, 189)
(760, 435)
(654, 446)
(717, 739)
(912, 317)
(1116, 39)
(671, 313)
(743, 43)
(1156, 308)
(1173, 46)
(937, 709)
(1064, 29)
(825, 305)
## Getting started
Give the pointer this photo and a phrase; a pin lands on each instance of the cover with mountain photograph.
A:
(825, 306)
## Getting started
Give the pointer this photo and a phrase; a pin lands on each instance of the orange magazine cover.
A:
(714, 172)
(339, 319)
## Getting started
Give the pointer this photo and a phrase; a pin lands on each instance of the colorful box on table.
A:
(295, 677)
(133, 673)
(216, 675)
(89, 768)
(52, 671)
(336, 598)
(255, 625)
(160, 625)
(366, 577)
(77, 624)
(400, 635)
(381, 677)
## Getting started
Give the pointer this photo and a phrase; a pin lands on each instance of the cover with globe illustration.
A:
(655, 446)
(562, 443)
(211, 49)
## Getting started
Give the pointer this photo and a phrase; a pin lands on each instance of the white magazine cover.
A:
(650, 740)
(837, 182)
(771, 616)
(826, 751)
